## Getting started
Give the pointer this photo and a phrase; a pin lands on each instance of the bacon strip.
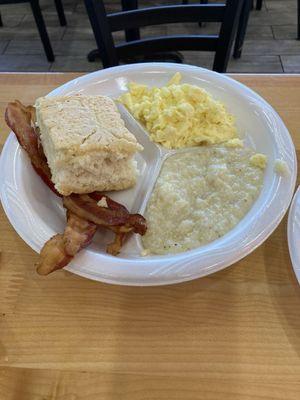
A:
(115, 217)
(78, 233)
(115, 214)
(115, 247)
(21, 119)
(83, 212)
(61, 248)
(52, 256)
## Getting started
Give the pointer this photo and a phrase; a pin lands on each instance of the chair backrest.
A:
(104, 24)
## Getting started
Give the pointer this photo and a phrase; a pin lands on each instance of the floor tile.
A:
(259, 32)
(78, 33)
(271, 47)
(12, 62)
(204, 60)
(10, 20)
(74, 64)
(281, 5)
(65, 48)
(32, 33)
(291, 64)
(246, 64)
(73, 48)
(50, 17)
(279, 17)
(285, 32)
(261, 64)
(25, 47)
(3, 45)
(16, 9)
(49, 5)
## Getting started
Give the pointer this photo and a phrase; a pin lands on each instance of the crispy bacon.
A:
(53, 256)
(83, 212)
(115, 247)
(61, 248)
(115, 214)
(21, 120)
(78, 233)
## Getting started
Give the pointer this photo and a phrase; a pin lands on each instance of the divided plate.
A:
(37, 214)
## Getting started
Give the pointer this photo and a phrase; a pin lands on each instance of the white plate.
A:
(294, 233)
(37, 214)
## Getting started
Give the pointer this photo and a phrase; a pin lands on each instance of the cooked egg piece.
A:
(145, 252)
(281, 167)
(259, 160)
(234, 143)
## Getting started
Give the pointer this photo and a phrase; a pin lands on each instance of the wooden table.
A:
(233, 335)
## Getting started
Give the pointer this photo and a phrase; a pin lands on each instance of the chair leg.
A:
(60, 12)
(42, 29)
(131, 34)
(298, 33)
(258, 4)
(242, 28)
(103, 36)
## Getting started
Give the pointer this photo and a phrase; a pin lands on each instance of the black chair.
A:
(39, 20)
(104, 24)
(201, 2)
(242, 28)
(243, 23)
(60, 12)
(298, 33)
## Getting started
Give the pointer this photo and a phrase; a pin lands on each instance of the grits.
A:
(199, 196)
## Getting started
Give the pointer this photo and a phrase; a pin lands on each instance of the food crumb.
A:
(102, 202)
(234, 143)
(145, 252)
(281, 168)
(259, 160)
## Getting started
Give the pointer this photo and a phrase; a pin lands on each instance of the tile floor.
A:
(270, 45)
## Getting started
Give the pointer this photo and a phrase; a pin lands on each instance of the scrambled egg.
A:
(259, 160)
(179, 115)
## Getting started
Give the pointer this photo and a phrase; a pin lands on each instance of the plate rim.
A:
(291, 236)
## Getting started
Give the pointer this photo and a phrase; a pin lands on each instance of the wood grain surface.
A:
(233, 335)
